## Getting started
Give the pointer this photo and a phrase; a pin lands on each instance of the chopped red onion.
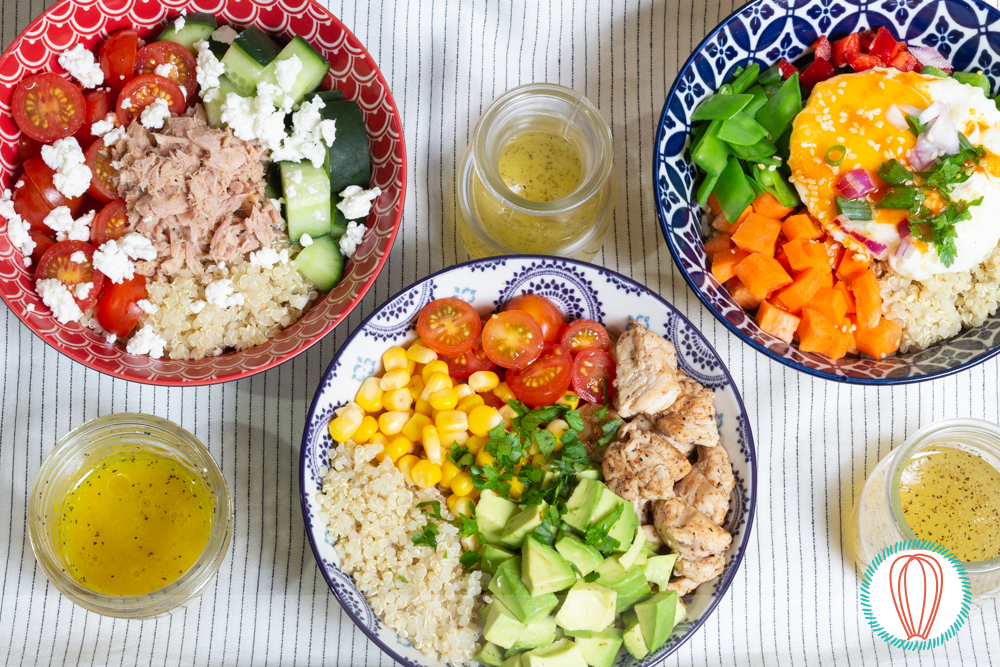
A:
(903, 229)
(930, 57)
(856, 183)
(935, 110)
(909, 110)
(940, 137)
(904, 250)
(879, 250)
(896, 118)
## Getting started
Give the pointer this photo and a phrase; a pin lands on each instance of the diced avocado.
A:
(492, 514)
(585, 557)
(512, 661)
(543, 569)
(539, 633)
(682, 612)
(618, 579)
(484, 612)
(626, 525)
(493, 556)
(591, 473)
(581, 504)
(635, 643)
(628, 600)
(507, 587)
(640, 560)
(656, 616)
(563, 653)
(628, 558)
(580, 633)
(600, 649)
(502, 627)
(588, 606)
(521, 525)
(490, 655)
(659, 568)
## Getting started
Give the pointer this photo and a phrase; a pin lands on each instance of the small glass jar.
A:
(878, 521)
(73, 456)
(493, 220)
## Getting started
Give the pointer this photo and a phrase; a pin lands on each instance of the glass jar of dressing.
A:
(538, 176)
(941, 485)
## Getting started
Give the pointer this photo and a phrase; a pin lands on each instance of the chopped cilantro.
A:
(546, 532)
(546, 441)
(431, 508)
(460, 456)
(426, 536)
(597, 535)
(916, 127)
(470, 559)
(610, 430)
(592, 577)
(403, 579)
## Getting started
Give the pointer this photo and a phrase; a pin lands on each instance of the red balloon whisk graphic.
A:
(915, 583)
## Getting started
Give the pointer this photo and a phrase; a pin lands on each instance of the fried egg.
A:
(850, 111)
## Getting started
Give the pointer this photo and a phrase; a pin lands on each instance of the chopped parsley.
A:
(597, 535)
(426, 536)
(470, 559)
(592, 577)
(403, 579)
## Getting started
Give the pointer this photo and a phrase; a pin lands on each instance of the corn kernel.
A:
(380, 439)
(503, 392)
(405, 465)
(444, 399)
(481, 381)
(414, 428)
(367, 429)
(508, 415)
(424, 408)
(462, 506)
(436, 382)
(369, 396)
(449, 438)
(421, 354)
(571, 399)
(394, 358)
(475, 443)
(461, 484)
(450, 502)
(483, 419)
(533, 449)
(391, 423)
(448, 472)
(451, 420)
(343, 427)
(516, 488)
(426, 474)
(467, 404)
(397, 399)
(398, 447)
(345, 407)
(484, 458)
(436, 366)
(557, 427)
(432, 444)
(538, 460)
(463, 390)
(396, 379)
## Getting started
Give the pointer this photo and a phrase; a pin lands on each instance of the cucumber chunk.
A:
(247, 57)
(272, 187)
(213, 109)
(217, 48)
(321, 263)
(197, 26)
(347, 158)
(314, 69)
(307, 199)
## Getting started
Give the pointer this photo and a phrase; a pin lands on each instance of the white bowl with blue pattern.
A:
(582, 291)
(966, 32)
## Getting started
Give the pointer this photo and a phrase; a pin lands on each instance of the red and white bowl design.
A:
(352, 70)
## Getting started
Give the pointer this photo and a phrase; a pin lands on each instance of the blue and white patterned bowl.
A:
(582, 291)
(967, 32)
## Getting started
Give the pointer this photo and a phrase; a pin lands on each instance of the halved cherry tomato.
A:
(110, 224)
(99, 104)
(545, 380)
(512, 339)
(42, 243)
(593, 375)
(47, 107)
(89, 204)
(449, 326)
(491, 399)
(102, 174)
(463, 365)
(118, 309)
(42, 175)
(143, 91)
(28, 148)
(184, 74)
(546, 313)
(584, 334)
(58, 263)
(31, 205)
(117, 58)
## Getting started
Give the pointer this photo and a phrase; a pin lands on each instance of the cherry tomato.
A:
(545, 380)
(593, 375)
(463, 365)
(584, 334)
(110, 224)
(42, 175)
(57, 262)
(183, 74)
(546, 313)
(143, 91)
(31, 205)
(28, 148)
(118, 308)
(99, 104)
(47, 107)
(491, 399)
(102, 174)
(512, 339)
(89, 204)
(117, 58)
(449, 326)
(42, 243)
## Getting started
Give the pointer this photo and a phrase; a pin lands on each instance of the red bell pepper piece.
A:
(906, 62)
(866, 37)
(823, 48)
(859, 62)
(885, 46)
(849, 44)
(820, 70)
(786, 68)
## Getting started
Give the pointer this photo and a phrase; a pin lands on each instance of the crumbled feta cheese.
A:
(79, 257)
(220, 293)
(146, 341)
(82, 66)
(291, 191)
(152, 116)
(59, 300)
(102, 127)
(137, 246)
(208, 70)
(356, 203)
(113, 262)
(266, 258)
(30, 308)
(306, 140)
(295, 176)
(351, 239)
(17, 228)
(305, 240)
(198, 306)
(328, 131)
(61, 221)
(112, 138)
(224, 34)
(317, 215)
(147, 307)
(20, 183)
(72, 177)
(299, 301)
(255, 117)
(82, 290)
(166, 70)
(285, 72)
(126, 103)
(110, 338)
(310, 189)
(179, 23)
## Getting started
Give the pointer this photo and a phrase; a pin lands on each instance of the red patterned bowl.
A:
(352, 70)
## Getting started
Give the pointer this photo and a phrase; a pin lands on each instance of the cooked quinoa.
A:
(940, 307)
(424, 595)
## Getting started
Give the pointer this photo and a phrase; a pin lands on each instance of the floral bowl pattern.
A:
(582, 291)
(967, 32)
(352, 70)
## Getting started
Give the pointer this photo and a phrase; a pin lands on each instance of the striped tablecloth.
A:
(795, 600)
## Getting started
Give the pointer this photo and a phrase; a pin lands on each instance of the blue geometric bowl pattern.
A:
(967, 32)
(582, 291)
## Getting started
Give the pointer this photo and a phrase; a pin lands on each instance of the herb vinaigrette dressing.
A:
(540, 166)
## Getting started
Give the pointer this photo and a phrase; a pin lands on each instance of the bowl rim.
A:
(397, 216)
(675, 253)
(751, 454)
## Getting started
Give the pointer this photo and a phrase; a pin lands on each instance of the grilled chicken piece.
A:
(688, 532)
(652, 537)
(707, 498)
(691, 418)
(713, 463)
(643, 466)
(682, 585)
(644, 422)
(593, 430)
(646, 373)
(701, 570)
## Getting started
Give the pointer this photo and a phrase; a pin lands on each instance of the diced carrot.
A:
(830, 302)
(867, 299)
(717, 244)
(777, 322)
(757, 234)
(834, 251)
(848, 295)
(819, 334)
(803, 254)
(721, 224)
(724, 264)
(713, 205)
(801, 226)
(852, 329)
(762, 274)
(741, 294)
(879, 341)
(768, 206)
(803, 289)
(783, 260)
(852, 265)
